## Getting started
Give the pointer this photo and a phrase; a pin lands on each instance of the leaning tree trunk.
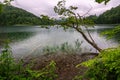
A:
(92, 43)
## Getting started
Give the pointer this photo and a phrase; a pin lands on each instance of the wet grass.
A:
(64, 48)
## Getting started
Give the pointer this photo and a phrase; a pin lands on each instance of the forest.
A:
(111, 16)
(15, 16)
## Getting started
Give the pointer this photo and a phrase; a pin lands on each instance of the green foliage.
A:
(93, 18)
(100, 1)
(46, 20)
(47, 73)
(76, 21)
(69, 17)
(114, 33)
(64, 48)
(7, 2)
(0, 8)
(12, 70)
(110, 17)
(104, 67)
(14, 16)
(62, 10)
(88, 22)
(9, 70)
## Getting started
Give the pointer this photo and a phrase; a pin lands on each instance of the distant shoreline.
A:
(22, 25)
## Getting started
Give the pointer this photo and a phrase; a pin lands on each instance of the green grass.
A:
(64, 48)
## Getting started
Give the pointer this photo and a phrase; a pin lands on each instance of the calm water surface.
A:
(30, 40)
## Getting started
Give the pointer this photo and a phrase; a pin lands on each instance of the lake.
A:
(30, 40)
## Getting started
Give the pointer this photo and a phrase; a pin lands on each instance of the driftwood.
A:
(91, 53)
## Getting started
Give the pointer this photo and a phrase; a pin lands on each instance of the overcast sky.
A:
(45, 7)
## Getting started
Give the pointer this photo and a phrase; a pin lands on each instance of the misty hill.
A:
(12, 16)
(111, 16)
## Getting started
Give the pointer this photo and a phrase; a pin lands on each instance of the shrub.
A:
(104, 67)
(12, 70)
(9, 69)
(47, 73)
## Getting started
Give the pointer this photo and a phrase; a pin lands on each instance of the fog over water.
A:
(30, 40)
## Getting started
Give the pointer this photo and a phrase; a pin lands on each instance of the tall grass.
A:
(64, 48)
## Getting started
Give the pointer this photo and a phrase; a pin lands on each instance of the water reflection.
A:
(16, 36)
(30, 40)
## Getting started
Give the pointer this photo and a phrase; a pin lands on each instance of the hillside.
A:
(12, 16)
(111, 16)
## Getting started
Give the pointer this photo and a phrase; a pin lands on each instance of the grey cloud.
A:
(39, 7)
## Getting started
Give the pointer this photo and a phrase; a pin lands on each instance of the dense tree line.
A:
(109, 17)
(12, 16)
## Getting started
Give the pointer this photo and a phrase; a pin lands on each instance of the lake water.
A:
(30, 40)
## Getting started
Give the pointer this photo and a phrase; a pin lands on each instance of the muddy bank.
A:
(65, 63)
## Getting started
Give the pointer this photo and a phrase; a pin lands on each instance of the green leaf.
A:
(0, 8)
(73, 7)
(100, 1)
(104, 65)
